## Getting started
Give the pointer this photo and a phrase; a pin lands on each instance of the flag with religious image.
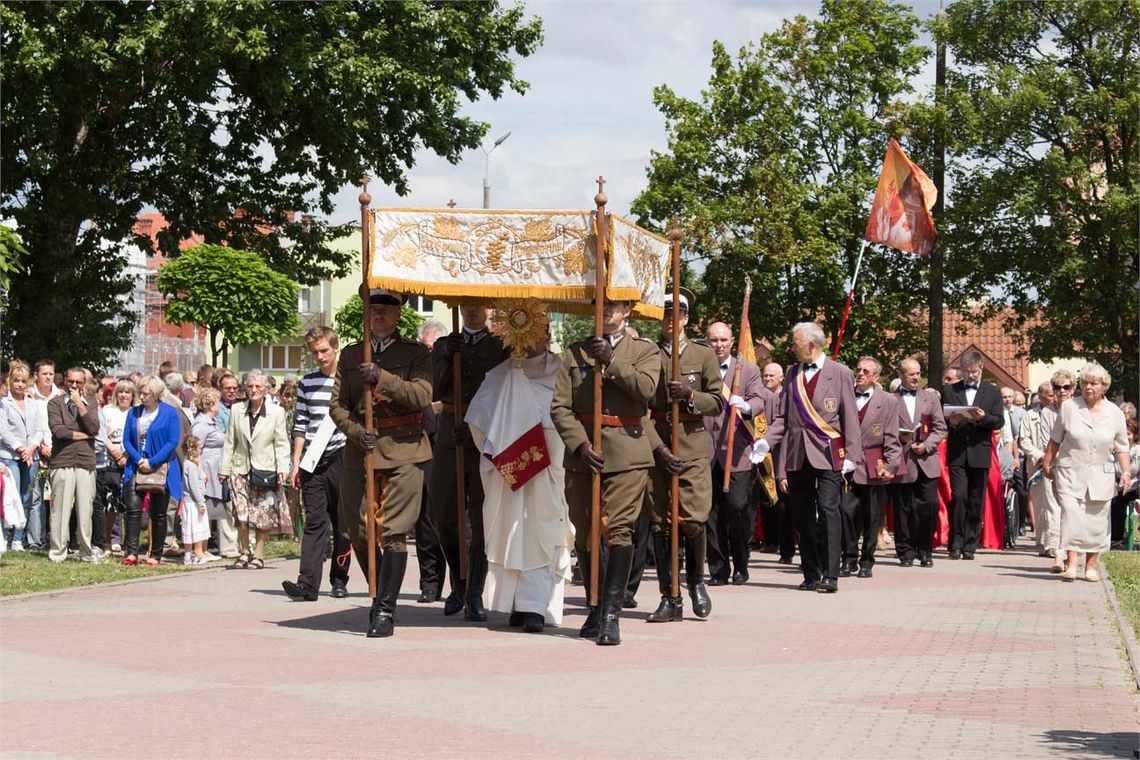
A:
(900, 215)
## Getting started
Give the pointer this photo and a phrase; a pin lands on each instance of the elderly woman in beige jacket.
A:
(1088, 434)
(256, 439)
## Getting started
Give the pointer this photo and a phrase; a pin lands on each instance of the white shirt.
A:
(909, 401)
(810, 373)
(724, 369)
(862, 401)
(970, 393)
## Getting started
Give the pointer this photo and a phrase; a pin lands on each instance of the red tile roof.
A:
(1005, 351)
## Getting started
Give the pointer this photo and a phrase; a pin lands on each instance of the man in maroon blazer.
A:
(914, 492)
(863, 503)
(733, 516)
(817, 428)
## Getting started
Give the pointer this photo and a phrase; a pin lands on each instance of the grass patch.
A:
(1124, 571)
(22, 572)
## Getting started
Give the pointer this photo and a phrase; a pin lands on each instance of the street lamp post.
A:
(486, 169)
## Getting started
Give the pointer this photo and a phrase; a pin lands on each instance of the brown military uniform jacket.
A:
(628, 383)
(700, 371)
(478, 358)
(402, 394)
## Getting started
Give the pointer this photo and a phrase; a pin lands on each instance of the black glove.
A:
(679, 391)
(592, 459)
(369, 374)
(366, 438)
(452, 344)
(666, 460)
(600, 350)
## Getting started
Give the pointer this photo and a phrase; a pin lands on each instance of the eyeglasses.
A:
(1066, 387)
(864, 371)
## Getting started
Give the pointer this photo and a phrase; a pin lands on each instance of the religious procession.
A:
(520, 470)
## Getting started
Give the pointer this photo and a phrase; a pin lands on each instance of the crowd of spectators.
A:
(90, 464)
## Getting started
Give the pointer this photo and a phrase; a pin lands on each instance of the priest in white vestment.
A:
(525, 516)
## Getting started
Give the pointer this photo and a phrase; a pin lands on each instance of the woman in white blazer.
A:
(1089, 438)
(256, 448)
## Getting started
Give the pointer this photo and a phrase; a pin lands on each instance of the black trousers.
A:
(968, 494)
(916, 514)
(429, 551)
(780, 516)
(862, 512)
(320, 495)
(133, 501)
(108, 483)
(813, 497)
(729, 529)
(445, 506)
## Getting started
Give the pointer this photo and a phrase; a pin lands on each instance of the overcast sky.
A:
(589, 109)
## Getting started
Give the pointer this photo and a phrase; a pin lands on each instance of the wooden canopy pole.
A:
(675, 409)
(460, 472)
(601, 241)
(370, 517)
(736, 388)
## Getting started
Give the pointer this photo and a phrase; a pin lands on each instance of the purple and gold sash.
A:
(814, 422)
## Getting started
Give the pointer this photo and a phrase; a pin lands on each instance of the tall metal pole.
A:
(675, 411)
(487, 168)
(601, 240)
(937, 274)
(372, 529)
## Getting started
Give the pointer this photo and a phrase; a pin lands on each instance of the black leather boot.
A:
(382, 618)
(589, 629)
(671, 607)
(473, 608)
(695, 574)
(618, 563)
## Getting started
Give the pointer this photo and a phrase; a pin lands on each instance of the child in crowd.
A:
(195, 523)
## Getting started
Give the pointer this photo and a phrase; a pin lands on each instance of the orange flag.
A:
(900, 215)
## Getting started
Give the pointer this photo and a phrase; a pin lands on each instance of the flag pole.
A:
(850, 296)
(732, 413)
(675, 410)
(601, 240)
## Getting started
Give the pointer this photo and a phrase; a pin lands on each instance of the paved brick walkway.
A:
(991, 658)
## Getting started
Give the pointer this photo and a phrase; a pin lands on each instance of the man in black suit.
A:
(969, 450)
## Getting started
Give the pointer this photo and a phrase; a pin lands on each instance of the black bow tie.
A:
(908, 391)
(810, 366)
(724, 366)
(863, 394)
(971, 387)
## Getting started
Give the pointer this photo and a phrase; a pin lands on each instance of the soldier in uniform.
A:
(398, 384)
(630, 370)
(862, 505)
(698, 392)
(479, 351)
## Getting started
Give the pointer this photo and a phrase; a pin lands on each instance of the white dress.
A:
(195, 526)
(1084, 475)
(528, 532)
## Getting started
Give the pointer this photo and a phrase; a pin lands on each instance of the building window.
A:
(282, 358)
(305, 300)
(421, 305)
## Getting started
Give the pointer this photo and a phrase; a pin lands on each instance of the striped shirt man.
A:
(314, 392)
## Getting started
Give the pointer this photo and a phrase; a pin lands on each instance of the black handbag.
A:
(262, 480)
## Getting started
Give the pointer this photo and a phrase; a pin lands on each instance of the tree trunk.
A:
(213, 346)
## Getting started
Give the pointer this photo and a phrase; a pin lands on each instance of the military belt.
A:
(414, 418)
(610, 420)
(659, 416)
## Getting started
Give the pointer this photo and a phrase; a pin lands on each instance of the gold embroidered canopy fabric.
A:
(490, 253)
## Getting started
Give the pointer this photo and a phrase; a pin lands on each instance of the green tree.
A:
(349, 322)
(1043, 99)
(228, 116)
(773, 170)
(233, 294)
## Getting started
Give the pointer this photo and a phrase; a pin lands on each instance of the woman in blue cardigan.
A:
(151, 436)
